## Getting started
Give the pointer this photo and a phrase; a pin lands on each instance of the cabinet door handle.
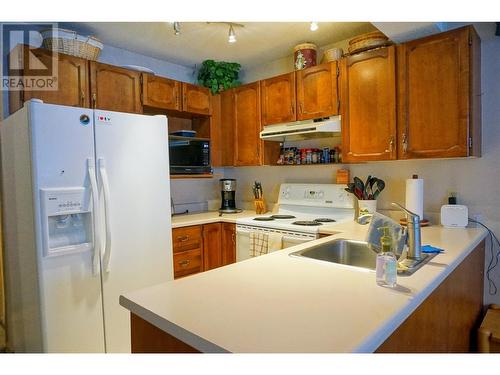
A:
(405, 143)
(183, 238)
(292, 109)
(391, 145)
(300, 107)
(94, 100)
(184, 263)
(82, 97)
(233, 237)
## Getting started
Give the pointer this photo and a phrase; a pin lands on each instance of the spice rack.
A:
(309, 156)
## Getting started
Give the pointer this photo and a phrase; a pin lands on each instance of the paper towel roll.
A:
(415, 196)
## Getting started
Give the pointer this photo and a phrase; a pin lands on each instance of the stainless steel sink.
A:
(351, 253)
(348, 252)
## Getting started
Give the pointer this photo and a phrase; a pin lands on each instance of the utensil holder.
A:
(367, 206)
(260, 206)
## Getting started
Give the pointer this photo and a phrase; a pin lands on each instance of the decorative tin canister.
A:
(304, 55)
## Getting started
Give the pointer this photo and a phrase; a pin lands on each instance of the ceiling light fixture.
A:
(177, 28)
(232, 35)
(314, 26)
(232, 26)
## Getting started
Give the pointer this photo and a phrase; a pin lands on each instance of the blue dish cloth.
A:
(431, 249)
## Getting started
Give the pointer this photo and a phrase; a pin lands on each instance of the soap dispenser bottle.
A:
(386, 267)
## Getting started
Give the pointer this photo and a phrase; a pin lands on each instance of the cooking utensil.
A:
(359, 188)
(380, 186)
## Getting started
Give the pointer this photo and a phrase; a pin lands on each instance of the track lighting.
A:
(232, 35)
(177, 28)
(314, 26)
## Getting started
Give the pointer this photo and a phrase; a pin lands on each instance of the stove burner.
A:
(306, 223)
(325, 220)
(283, 216)
(263, 218)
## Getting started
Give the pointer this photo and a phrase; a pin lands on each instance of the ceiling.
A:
(257, 42)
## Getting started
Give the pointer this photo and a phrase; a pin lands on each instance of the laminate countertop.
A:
(208, 217)
(277, 303)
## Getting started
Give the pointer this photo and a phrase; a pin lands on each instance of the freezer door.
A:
(133, 179)
(62, 140)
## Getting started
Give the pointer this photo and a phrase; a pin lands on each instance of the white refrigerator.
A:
(86, 209)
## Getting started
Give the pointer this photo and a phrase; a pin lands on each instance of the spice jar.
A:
(308, 156)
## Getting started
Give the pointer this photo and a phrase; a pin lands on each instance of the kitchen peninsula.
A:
(277, 303)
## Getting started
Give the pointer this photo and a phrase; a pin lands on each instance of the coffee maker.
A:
(228, 193)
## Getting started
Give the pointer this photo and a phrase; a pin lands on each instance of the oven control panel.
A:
(321, 195)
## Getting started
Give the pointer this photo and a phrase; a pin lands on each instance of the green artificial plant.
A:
(218, 75)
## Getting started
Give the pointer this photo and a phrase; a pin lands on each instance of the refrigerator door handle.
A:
(107, 214)
(95, 209)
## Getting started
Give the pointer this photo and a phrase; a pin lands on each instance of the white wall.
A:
(117, 56)
(477, 181)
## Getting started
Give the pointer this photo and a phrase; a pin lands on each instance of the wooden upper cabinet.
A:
(161, 92)
(212, 254)
(228, 243)
(72, 80)
(115, 89)
(196, 99)
(317, 92)
(278, 99)
(222, 129)
(368, 95)
(439, 95)
(248, 145)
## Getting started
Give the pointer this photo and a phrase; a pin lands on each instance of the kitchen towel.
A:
(259, 243)
(415, 196)
(275, 242)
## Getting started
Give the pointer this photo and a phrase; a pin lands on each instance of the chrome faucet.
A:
(413, 237)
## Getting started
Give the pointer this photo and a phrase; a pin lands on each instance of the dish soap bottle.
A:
(386, 267)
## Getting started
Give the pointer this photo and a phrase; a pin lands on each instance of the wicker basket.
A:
(368, 41)
(71, 43)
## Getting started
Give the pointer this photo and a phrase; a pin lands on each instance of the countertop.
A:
(277, 303)
(185, 220)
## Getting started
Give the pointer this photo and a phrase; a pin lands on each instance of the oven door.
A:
(243, 239)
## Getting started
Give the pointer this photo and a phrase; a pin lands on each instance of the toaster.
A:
(454, 216)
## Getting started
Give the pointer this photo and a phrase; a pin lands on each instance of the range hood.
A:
(299, 130)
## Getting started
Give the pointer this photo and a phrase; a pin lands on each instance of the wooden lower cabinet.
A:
(146, 338)
(212, 249)
(204, 247)
(187, 250)
(447, 321)
(228, 243)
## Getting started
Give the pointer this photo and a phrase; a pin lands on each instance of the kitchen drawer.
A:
(187, 238)
(187, 263)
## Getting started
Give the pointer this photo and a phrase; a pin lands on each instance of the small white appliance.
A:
(302, 210)
(86, 218)
(454, 216)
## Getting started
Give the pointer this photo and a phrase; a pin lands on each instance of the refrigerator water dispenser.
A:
(66, 221)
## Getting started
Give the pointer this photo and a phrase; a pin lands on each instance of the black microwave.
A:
(189, 155)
